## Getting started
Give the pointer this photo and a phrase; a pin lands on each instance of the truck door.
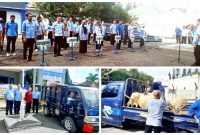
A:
(111, 104)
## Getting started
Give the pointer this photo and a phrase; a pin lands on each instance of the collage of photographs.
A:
(119, 67)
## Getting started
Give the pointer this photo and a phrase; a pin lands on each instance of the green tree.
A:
(106, 11)
(119, 75)
(67, 81)
(92, 80)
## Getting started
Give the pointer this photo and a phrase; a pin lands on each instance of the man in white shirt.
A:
(155, 108)
(184, 35)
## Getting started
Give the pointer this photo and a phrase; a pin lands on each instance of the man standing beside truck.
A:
(194, 111)
(155, 108)
(35, 96)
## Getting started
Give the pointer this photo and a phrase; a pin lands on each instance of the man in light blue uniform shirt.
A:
(9, 97)
(17, 99)
(11, 29)
(29, 30)
(58, 35)
(196, 43)
(77, 29)
(113, 30)
(35, 96)
(70, 26)
(40, 30)
(49, 28)
(142, 38)
(120, 31)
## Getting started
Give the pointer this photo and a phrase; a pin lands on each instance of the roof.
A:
(13, 5)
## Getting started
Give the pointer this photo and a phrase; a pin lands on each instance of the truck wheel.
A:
(69, 125)
(46, 111)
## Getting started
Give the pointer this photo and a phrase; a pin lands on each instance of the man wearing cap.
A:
(29, 30)
(17, 99)
(157, 86)
(9, 97)
(11, 32)
(196, 43)
(28, 100)
(155, 109)
(58, 35)
(35, 96)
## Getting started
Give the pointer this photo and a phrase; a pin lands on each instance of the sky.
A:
(160, 73)
(78, 75)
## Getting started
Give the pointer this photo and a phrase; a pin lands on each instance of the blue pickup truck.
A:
(115, 111)
(78, 114)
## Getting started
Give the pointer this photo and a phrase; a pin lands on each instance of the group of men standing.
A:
(127, 32)
(180, 34)
(15, 97)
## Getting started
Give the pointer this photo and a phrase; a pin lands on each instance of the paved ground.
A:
(133, 128)
(49, 125)
(154, 57)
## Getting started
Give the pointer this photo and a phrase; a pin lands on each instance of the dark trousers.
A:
(125, 38)
(77, 36)
(118, 45)
(149, 129)
(129, 43)
(197, 55)
(58, 44)
(39, 37)
(28, 44)
(17, 105)
(89, 36)
(178, 39)
(112, 39)
(94, 37)
(65, 45)
(50, 37)
(28, 107)
(9, 106)
(141, 42)
(71, 33)
(99, 46)
(83, 46)
(183, 39)
(9, 40)
(35, 105)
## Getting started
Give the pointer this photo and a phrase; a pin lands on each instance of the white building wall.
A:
(183, 87)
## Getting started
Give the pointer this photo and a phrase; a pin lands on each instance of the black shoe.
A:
(60, 55)
(55, 55)
(6, 113)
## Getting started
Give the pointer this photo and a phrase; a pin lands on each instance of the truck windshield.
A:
(91, 97)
